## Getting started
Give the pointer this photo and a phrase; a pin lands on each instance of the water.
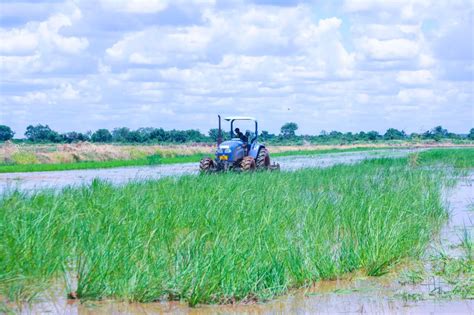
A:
(354, 294)
(122, 175)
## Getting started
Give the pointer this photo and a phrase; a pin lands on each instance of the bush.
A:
(24, 158)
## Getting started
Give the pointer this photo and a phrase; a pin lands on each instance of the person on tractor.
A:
(241, 136)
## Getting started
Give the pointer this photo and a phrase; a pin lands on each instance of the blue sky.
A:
(327, 65)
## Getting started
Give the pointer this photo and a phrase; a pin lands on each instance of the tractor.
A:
(236, 154)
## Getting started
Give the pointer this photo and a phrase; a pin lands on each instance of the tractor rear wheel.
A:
(206, 165)
(248, 164)
(263, 159)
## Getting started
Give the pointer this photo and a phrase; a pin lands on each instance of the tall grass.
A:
(459, 158)
(218, 238)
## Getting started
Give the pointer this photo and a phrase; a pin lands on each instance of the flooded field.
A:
(425, 291)
(122, 175)
(354, 294)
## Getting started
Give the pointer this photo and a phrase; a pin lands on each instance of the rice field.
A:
(221, 238)
(84, 155)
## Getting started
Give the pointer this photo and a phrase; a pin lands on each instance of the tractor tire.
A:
(263, 159)
(248, 164)
(206, 165)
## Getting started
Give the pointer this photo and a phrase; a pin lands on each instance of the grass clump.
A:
(458, 271)
(218, 238)
(24, 158)
(459, 158)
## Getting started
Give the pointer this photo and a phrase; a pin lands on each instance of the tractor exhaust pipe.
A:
(219, 132)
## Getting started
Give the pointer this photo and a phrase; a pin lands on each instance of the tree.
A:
(348, 136)
(266, 136)
(415, 136)
(288, 129)
(177, 136)
(120, 134)
(6, 133)
(373, 135)
(73, 136)
(145, 133)
(214, 134)
(471, 134)
(437, 133)
(101, 135)
(194, 135)
(335, 134)
(158, 134)
(40, 133)
(394, 134)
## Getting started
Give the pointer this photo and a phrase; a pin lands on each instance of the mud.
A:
(309, 303)
(122, 175)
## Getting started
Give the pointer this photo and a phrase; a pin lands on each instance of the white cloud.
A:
(404, 9)
(417, 96)
(152, 6)
(386, 31)
(45, 35)
(417, 77)
(61, 93)
(40, 46)
(135, 6)
(287, 38)
(17, 42)
(392, 49)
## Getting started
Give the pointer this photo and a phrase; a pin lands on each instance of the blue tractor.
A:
(238, 154)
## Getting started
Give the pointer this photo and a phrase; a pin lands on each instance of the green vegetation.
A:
(458, 272)
(6, 133)
(459, 158)
(44, 134)
(446, 275)
(218, 238)
(325, 151)
(155, 159)
(24, 158)
(413, 275)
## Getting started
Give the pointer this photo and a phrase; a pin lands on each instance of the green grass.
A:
(218, 238)
(149, 160)
(459, 158)
(448, 276)
(325, 151)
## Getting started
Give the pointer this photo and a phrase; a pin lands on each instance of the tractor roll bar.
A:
(232, 119)
(219, 132)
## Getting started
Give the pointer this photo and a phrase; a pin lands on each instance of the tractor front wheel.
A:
(206, 165)
(263, 159)
(248, 164)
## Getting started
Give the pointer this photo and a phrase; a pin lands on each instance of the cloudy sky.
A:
(327, 65)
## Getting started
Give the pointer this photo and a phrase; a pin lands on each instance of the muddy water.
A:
(122, 175)
(361, 296)
(353, 295)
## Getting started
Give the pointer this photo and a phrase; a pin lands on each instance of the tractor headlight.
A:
(223, 150)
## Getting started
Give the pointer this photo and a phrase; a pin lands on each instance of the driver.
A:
(241, 136)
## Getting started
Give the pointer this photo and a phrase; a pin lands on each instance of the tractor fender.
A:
(254, 149)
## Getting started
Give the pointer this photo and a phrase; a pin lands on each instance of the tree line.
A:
(44, 134)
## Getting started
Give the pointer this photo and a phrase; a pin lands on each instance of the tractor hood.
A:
(230, 145)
